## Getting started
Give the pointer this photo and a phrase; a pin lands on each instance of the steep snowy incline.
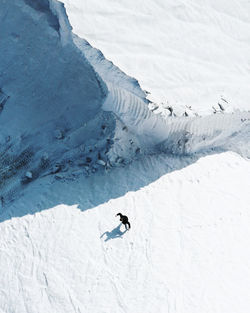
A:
(51, 116)
(37, 69)
(187, 251)
(186, 53)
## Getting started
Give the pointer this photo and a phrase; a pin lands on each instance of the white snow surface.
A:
(183, 181)
(185, 53)
(62, 249)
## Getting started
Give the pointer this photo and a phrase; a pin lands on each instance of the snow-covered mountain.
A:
(80, 141)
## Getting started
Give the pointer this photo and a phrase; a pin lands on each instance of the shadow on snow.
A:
(115, 233)
(89, 192)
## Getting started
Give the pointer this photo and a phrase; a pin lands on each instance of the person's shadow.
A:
(115, 233)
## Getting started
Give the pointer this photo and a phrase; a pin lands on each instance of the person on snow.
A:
(124, 220)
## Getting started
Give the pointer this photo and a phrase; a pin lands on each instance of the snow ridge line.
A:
(65, 30)
(109, 72)
(179, 135)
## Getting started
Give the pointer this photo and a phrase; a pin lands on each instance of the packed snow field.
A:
(185, 53)
(80, 141)
(187, 250)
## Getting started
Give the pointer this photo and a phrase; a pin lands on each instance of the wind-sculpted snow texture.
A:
(180, 135)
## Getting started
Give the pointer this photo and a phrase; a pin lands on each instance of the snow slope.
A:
(183, 181)
(53, 94)
(51, 115)
(185, 53)
(187, 250)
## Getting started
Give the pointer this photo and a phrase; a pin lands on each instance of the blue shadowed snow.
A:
(115, 233)
(51, 98)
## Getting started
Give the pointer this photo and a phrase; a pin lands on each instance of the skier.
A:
(124, 220)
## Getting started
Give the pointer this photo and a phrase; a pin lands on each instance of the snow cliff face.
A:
(51, 98)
